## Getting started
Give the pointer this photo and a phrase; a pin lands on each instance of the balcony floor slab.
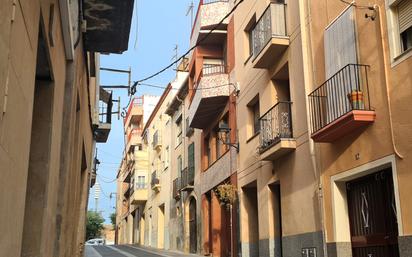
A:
(344, 125)
(271, 52)
(284, 146)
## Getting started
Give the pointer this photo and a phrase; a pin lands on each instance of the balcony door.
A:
(213, 66)
(373, 216)
(340, 50)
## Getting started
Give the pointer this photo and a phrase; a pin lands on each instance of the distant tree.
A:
(94, 225)
(113, 219)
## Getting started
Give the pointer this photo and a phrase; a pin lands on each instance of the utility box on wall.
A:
(309, 252)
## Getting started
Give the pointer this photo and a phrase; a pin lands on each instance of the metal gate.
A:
(372, 216)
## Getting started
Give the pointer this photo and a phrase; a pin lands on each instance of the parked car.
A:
(96, 241)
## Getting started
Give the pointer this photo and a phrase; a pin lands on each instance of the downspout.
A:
(386, 72)
(308, 80)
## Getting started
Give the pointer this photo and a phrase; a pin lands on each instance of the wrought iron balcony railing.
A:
(211, 69)
(156, 140)
(155, 180)
(188, 178)
(271, 24)
(345, 91)
(275, 124)
(136, 102)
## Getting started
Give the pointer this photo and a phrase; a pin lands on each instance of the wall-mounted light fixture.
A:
(223, 135)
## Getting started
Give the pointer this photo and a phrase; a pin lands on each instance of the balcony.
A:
(135, 112)
(108, 25)
(125, 208)
(134, 138)
(155, 182)
(189, 130)
(209, 15)
(276, 137)
(269, 37)
(140, 193)
(104, 124)
(126, 190)
(157, 142)
(211, 96)
(188, 179)
(341, 105)
(176, 188)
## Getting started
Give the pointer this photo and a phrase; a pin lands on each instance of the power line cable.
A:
(356, 5)
(106, 181)
(192, 48)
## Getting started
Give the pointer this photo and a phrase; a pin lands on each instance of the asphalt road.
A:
(129, 251)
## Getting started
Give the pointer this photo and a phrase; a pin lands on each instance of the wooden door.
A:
(372, 216)
(192, 226)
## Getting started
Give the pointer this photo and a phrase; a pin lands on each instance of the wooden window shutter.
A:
(340, 42)
(405, 15)
(191, 155)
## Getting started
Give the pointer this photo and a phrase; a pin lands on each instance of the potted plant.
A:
(356, 99)
(226, 194)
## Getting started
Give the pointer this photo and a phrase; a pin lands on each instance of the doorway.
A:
(192, 225)
(276, 211)
(40, 153)
(373, 215)
(142, 227)
(161, 227)
(251, 219)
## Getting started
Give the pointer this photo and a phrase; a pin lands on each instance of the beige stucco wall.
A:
(374, 142)
(294, 172)
(62, 231)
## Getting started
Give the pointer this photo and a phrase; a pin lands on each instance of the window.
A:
(166, 157)
(406, 38)
(249, 37)
(399, 14)
(191, 158)
(254, 115)
(179, 131)
(179, 166)
(222, 138)
(208, 151)
(404, 9)
(141, 182)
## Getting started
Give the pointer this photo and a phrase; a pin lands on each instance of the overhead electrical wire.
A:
(353, 3)
(140, 81)
(191, 49)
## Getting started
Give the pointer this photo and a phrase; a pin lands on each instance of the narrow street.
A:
(130, 251)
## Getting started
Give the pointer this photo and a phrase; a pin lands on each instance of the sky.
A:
(157, 27)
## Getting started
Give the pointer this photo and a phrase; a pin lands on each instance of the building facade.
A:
(279, 202)
(185, 207)
(212, 109)
(50, 120)
(358, 86)
(133, 176)
(300, 108)
(323, 144)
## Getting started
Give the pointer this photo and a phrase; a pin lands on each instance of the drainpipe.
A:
(386, 73)
(308, 79)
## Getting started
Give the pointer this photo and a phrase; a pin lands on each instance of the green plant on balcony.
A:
(226, 194)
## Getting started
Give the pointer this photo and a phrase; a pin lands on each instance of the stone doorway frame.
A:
(341, 228)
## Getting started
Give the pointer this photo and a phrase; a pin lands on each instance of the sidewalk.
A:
(168, 253)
